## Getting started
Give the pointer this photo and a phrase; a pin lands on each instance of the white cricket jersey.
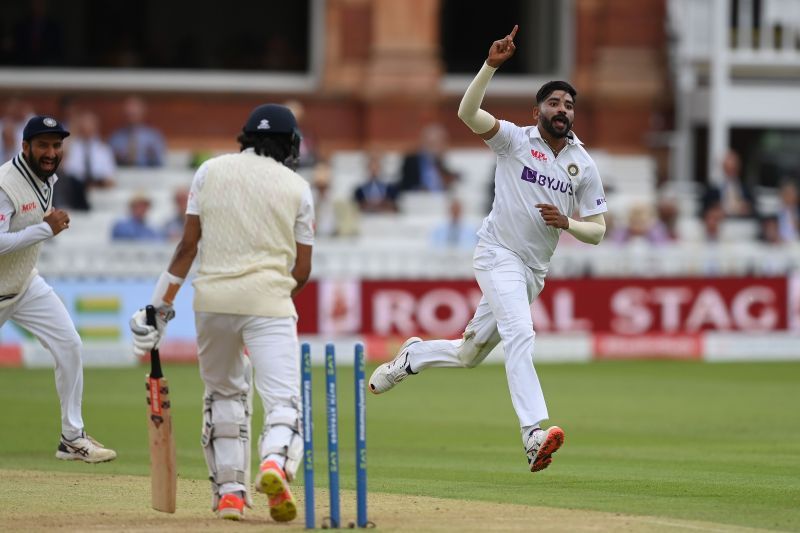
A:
(527, 174)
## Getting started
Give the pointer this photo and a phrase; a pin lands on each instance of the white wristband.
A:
(166, 289)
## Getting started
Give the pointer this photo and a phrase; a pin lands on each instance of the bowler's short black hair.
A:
(552, 86)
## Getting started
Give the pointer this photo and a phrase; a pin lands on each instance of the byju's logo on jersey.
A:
(539, 156)
(263, 125)
(531, 176)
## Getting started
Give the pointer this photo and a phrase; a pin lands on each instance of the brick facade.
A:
(382, 71)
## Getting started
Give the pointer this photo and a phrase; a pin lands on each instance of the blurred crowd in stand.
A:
(93, 157)
(91, 160)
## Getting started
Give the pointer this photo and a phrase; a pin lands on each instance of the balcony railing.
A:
(764, 34)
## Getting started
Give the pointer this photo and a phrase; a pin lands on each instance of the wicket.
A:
(331, 412)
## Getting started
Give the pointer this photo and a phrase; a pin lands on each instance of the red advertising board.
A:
(627, 307)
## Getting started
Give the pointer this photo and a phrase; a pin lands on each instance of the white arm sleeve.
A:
(590, 230)
(11, 242)
(469, 111)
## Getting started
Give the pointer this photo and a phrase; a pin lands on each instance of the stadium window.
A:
(180, 42)
(544, 41)
(768, 155)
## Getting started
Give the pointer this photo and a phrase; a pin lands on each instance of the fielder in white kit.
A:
(255, 217)
(26, 220)
(543, 176)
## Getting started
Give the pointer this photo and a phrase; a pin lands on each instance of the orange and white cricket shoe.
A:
(541, 445)
(272, 481)
(231, 507)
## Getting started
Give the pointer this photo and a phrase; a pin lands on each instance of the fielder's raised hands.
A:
(502, 50)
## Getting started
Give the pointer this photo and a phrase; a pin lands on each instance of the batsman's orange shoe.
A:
(231, 507)
(271, 481)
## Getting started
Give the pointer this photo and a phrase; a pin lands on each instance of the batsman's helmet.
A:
(274, 119)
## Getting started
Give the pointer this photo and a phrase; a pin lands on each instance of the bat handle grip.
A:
(150, 314)
(155, 358)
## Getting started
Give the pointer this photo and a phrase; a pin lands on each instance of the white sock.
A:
(236, 488)
(280, 459)
(526, 432)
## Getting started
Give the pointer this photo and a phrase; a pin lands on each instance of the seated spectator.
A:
(641, 227)
(324, 213)
(454, 233)
(376, 196)
(173, 229)
(733, 195)
(425, 170)
(769, 233)
(68, 111)
(134, 227)
(334, 217)
(666, 224)
(788, 218)
(88, 163)
(713, 215)
(136, 144)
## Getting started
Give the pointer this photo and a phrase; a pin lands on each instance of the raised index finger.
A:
(514, 31)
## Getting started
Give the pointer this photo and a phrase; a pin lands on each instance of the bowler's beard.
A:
(547, 124)
(37, 167)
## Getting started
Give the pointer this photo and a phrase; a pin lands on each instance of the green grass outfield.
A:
(710, 442)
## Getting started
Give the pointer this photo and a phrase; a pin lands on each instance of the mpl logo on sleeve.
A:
(30, 206)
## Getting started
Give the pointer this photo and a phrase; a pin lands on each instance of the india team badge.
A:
(572, 170)
(50, 122)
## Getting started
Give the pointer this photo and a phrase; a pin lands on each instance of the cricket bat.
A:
(163, 472)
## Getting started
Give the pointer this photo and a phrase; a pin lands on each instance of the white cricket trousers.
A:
(273, 349)
(40, 311)
(503, 314)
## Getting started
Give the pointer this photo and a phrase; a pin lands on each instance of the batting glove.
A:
(146, 337)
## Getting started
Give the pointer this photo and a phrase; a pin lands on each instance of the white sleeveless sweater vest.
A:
(248, 207)
(31, 198)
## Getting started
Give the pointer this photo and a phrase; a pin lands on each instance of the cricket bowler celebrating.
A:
(255, 216)
(543, 176)
(26, 220)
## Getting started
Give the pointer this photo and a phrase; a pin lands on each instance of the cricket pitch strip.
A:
(60, 501)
